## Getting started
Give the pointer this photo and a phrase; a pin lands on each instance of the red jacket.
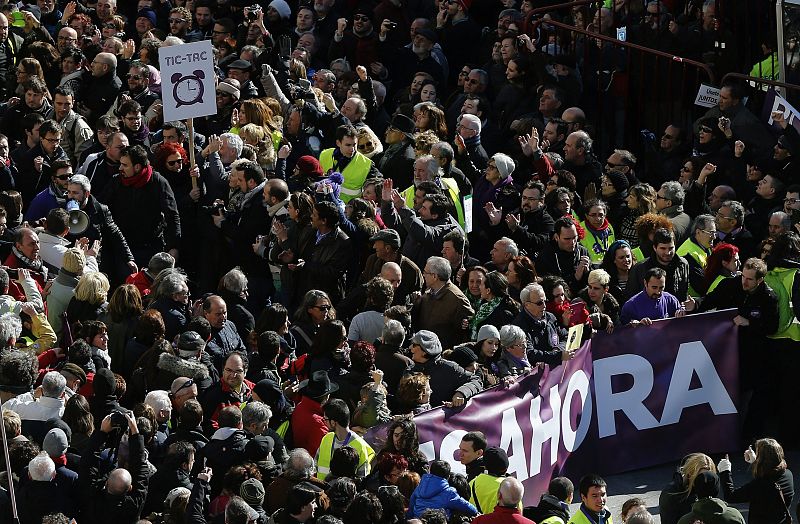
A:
(502, 515)
(14, 289)
(308, 425)
(141, 281)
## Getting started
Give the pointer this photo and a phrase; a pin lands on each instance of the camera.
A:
(392, 25)
(251, 13)
(301, 91)
(118, 419)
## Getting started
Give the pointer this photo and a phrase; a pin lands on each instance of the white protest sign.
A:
(707, 96)
(468, 213)
(188, 86)
(789, 112)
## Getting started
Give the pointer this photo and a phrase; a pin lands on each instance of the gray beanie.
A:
(428, 341)
(252, 491)
(55, 442)
(505, 165)
(487, 331)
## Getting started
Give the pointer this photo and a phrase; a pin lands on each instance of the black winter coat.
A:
(328, 264)
(175, 314)
(545, 338)
(103, 228)
(677, 276)
(761, 493)
(148, 216)
(553, 261)
(447, 378)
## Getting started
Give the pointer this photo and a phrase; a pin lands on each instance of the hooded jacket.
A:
(173, 366)
(434, 492)
(712, 511)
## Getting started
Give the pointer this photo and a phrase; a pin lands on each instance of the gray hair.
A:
(525, 294)
(159, 262)
(327, 73)
(431, 166)
(483, 76)
(511, 246)
(237, 510)
(234, 281)
(53, 385)
(393, 333)
(584, 141)
(256, 412)
(445, 150)
(440, 267)
(252, 49)
(300, 464)
(703, 222)
(737, 210)
(10, 327)
(786, 220)
(171, 41)
(168, 283)
(511, 334)
(628, 158)
(472, 119)
(344, 63)
(82, 181)
(673, 191)
(41, 468)
(158, 399)
(361, 106)
(234, 141)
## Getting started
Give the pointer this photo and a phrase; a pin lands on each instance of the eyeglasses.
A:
(323, 308)
(176, 20)
(365, 145)
(361, 18)
(63, 177)
(189, 383)
(234, 372)
(705, 129)
(463, 73)
(791, 200)
(134, 77)
(712, 234)
(109, 26)
(720, 215)
(539, 303)
(612, 166)
(174, 162)
(389, 490)
(51, 140)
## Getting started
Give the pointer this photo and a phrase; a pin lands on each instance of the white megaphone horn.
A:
(78, 220)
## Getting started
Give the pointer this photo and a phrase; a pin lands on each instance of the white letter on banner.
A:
(510, 433)
(578, 383)
(448, 448)
(544, 431)
(694, 358)
(630, 402)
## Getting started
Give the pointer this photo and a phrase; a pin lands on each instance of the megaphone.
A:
(78, 220)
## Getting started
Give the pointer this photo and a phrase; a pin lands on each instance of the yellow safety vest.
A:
(483, 492)
(716, 282)
(594, 245)
(781, 281)
(690, 249)
(452, 190)
(580, 518)
(365, 453)
(354, 174)
(552, 520)
(637, 254)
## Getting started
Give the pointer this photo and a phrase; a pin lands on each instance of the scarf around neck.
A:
(140, 180)
(35, 265)
(484, 311)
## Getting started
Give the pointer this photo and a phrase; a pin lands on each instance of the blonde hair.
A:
(693, 465)
(74, 261)
(93, 288)
(600, 277)
(258, 137)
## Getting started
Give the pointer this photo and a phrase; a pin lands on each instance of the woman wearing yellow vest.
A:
(721, 264)
(599, 233)
(696, 250)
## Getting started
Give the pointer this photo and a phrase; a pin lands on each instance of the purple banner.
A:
(639, 397)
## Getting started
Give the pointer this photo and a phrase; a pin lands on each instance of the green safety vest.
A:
(483, 492)
(596, 246)
(452, 189)
(781, 281)
(690, 249)
(554, 519)
(354, 174)
(716, 282)
(637, 255)
(580, 518)
(365, 453)
(767, 68)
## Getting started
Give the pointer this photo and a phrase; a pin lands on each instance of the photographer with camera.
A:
(117, 495)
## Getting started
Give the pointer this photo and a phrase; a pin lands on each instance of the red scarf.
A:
(60, 461)
(138, 181)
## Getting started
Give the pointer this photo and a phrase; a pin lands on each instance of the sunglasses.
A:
(189, 383)
(174, 162)
(539, 303)
(365, 145)
(323, 308)
(361, 18)
(64, 177)
(705, 129)
(176, 20)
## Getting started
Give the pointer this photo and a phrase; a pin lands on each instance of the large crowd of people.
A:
(396, 205)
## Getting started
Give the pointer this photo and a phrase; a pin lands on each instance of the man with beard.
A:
(180, 25)
(35, 166)
(530, 226)
(54, 195)
(397, 161)
(358, 46)
(77, 133)
(138, 79)
(101, 169)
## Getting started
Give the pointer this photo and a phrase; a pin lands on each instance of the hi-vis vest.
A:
(580, 518)
(452, 190)
(354, 174)
(781, 281)
(365, 453)
(716, 282)
(690, 249)
(595, 245)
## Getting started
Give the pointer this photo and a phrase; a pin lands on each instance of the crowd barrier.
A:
(633, 399)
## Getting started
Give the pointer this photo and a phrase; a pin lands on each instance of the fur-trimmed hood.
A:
(182, 367)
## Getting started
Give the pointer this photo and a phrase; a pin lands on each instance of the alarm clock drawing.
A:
(188, 89)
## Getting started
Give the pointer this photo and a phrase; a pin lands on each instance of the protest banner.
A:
(636, 398)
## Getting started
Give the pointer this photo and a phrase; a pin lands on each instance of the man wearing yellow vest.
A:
(696, 250)
(483, 488)
(337, 416)
(593, 502)
(354, 167)
(426, 169)
(553, 507)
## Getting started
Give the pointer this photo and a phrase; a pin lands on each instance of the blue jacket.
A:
(41, 205)
(435, 493)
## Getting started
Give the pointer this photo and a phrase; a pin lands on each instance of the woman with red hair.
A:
(722, 263)
(172, 162)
